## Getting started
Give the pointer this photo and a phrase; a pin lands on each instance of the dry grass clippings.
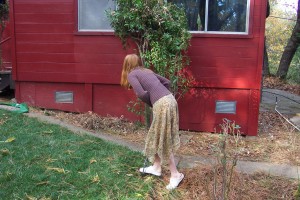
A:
(199, 183)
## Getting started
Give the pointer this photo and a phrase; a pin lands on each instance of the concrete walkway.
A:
(283, 103)
(286, 103)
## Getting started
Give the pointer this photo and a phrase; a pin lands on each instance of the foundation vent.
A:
(64, 97)
(227, 107)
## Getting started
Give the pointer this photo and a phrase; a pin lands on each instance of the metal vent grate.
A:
(64, 97)
(228, 107)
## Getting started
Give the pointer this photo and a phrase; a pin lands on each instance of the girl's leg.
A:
(154, 169)
(172, 166)
(176, 177)
(157, 163)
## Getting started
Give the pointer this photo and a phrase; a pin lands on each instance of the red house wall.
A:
(50, 56)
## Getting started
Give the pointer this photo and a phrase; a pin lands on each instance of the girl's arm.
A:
(164, 81)
(139, 90)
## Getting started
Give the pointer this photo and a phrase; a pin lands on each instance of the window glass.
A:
(216, 15)
(227, 15)
(195, 13)
(92, 16)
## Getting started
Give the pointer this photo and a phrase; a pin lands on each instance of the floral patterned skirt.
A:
(163, 135)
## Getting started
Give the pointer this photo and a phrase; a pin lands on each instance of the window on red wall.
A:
(216, 16)
(204, 16)
(92, 16)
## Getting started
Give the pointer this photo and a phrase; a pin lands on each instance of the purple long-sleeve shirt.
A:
(148, 86)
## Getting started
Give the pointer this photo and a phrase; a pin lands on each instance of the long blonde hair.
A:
(131, 62)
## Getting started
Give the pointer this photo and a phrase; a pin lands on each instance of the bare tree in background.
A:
(290, 49)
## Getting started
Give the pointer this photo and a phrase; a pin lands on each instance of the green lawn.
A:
(46, 161)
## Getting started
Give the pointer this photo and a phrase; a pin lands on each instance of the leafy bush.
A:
(160, 32)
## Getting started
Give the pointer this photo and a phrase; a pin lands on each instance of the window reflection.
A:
(222, 15)
(195, 12)
(92, 16)
(227, 15)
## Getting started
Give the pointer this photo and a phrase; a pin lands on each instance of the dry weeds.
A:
(200, 180)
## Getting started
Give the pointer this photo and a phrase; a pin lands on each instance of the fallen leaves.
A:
(96, 179)
(11, 139)
(276, 83)
(93, 161)
(56, 169)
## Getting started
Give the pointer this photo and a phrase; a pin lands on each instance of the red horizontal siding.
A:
(97, 49)
(225, 62)
(44, 28)
(49, 57)
(45, 67)
(224, 42)
(71, 58)
(212, 72)
(37, 38)
(70, 68)
(96, 40)
(70, 77)
(45, 18)
(46, 47)
(114, 104)
(228, 51)
(42, 1)
(43, 7)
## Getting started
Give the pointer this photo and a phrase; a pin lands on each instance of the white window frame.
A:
(225, 32)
